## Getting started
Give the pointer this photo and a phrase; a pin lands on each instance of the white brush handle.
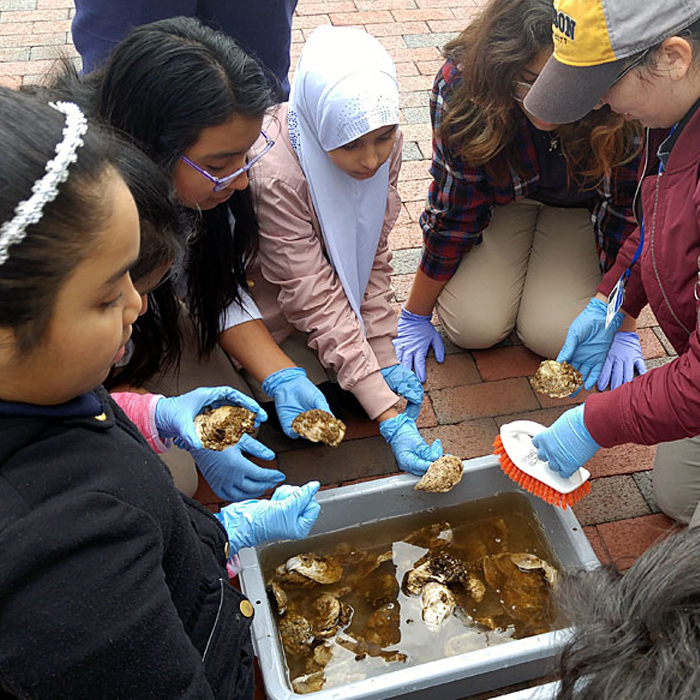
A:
(517, 442)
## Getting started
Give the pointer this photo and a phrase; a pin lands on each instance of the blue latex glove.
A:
(175, 416)
(566, 444)
(416, 335)
(410, 450)
(293, 394)
(291, 516)
(588, 341)
(405, 383)
(624, 358)
(234, 477)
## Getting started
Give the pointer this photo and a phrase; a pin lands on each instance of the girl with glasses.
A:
(522, 215)
(194, 102)
(326, 200)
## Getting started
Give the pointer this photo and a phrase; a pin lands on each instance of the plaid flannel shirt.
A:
(461, 198)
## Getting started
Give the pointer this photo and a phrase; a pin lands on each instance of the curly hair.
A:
(483, 117)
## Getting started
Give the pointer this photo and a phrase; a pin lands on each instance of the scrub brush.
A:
(519, 460)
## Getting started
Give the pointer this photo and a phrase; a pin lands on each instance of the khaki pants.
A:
(535, 271)
(676, 479)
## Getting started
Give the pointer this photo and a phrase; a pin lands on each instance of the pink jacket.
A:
(141, 410)
(663, 404)
(295, 286)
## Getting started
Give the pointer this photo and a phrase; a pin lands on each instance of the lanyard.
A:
(617, 295)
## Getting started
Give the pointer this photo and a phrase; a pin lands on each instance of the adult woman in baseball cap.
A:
(643, 63)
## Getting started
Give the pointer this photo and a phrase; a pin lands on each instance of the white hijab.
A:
(344, 87)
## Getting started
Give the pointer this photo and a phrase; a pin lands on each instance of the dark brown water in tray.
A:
(478, 529)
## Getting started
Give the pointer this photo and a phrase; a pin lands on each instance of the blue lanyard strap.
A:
(638, 252)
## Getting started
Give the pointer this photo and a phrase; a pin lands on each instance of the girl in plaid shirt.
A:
(522, 217)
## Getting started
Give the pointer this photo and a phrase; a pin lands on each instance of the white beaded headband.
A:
(45, 190)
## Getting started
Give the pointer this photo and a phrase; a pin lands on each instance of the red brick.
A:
(323, 8)
(417, 82)
(358, 428)
(391, 28)
(624, 459)
(482, 400)
(626, 540)
(11, 81)
(389, 42)
(596, 541)
(450, 25)
(51, 26)
(463, 5)
(414, 170)
(33, 16)
(340, 19)
(385, 4)
(54, 4)
(420, 53)
(646, 318)
(297, 36)
(466, 440)
(415, 132)
(430, 67)
(415, 209)
(406, 236)
(456, 370)
(15, 28)
(406, 69)
(414, 190)
(414, 15)
(651, 345)
(311, 21)
(569, 401)
(25, 67)
(501, 363)
(403, 218)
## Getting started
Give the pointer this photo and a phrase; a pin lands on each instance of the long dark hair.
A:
(483, 118)
(163, 84)
(63, 237)
(165, 227)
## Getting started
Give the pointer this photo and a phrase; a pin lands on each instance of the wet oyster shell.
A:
(442, 475)
(219, 428)
(437, 603)
(556, 380)
(297, 634)
(322, 569)
(319, 426)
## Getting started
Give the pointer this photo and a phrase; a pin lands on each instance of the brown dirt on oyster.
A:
(319, 426)
(442, 475)
(219, 428)
(556, 380)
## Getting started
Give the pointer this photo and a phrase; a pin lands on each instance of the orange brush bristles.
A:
(535, 486)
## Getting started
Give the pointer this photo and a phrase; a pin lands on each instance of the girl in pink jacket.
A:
(326, 199)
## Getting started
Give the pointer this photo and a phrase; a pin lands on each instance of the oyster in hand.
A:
(219, 428)
(319, 426)
(556, 379)
(442, 475)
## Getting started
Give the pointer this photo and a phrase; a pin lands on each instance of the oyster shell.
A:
(219, 428)
(440, 567)
(437, 603)
(278, 594)
(556, 380)
(322, 569)
(319, 426)
(442, 475)
(330, 615)
(431, 536)
(297, 634)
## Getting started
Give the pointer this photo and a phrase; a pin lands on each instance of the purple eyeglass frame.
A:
(221, 183)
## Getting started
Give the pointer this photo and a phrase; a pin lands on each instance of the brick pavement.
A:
(472, 393)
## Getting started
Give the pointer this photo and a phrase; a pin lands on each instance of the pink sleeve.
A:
(141, 410)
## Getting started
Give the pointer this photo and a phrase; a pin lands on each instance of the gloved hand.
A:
(416, 335)
(175, 416)
(566, 444)
(293, 394)
(410, 450)
(405, 383)
(290, 516)
(234, 477)
(624, 357)
(588, 341)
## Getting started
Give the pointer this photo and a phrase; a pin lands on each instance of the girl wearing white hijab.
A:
(326, 199)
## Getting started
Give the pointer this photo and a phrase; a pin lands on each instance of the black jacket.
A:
(112, 584)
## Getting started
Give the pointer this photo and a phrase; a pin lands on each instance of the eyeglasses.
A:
(221, 183)
(520, 90)
(632, 65)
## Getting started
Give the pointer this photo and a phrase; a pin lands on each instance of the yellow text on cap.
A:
(580, 33)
